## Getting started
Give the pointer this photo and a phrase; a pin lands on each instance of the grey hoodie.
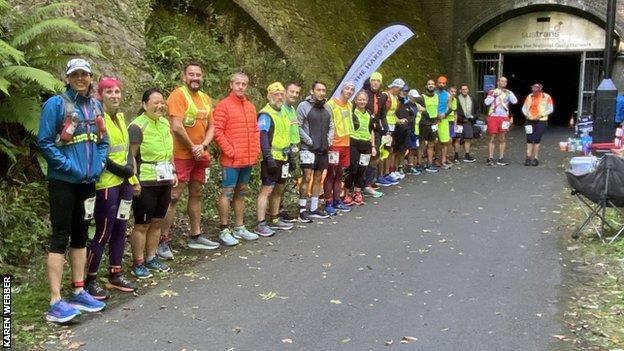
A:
(316, 127)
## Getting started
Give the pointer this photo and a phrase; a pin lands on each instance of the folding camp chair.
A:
(596, 191)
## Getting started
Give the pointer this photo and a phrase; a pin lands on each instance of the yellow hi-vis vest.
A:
(190, 115)
(431, 105)
(118, 149)
(281, 132)
(341, 116)
(541, 108)
(156, 147)
(452, 109)
(391, 113)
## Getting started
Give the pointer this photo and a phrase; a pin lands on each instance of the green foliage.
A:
(23, 222)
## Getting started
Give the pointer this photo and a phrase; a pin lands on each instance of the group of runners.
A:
(346, 147)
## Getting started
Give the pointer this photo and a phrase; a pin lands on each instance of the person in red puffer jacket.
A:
(237, 134)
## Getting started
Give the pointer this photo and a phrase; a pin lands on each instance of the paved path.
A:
(461, 260)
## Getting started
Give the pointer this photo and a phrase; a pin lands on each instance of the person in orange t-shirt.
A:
(537, 107)
(189, 112)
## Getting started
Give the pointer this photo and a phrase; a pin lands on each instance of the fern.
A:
(42, 78)
(23, 109)
(50, 26)
(9, 53)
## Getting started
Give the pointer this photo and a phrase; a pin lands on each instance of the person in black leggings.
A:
(362, 147)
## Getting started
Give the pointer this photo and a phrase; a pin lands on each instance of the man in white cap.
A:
(390, 176)
(413, 107)
(72, 139)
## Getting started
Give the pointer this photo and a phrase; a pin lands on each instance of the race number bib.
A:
(307, 157)
(123, 212)
(528, 129)
(365, 159)
(334, 157)
(89, 206)
(434, 128)
(391, 127)
(459, 129)
(505, 125)
(164, 171)
(285, 169)
(207, 175)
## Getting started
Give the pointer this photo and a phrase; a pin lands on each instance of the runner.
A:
(412, 110)
(401, 139)
(236, 132)
(189, 115)
(498, 121)
(113, 200)
(274, 125)
(537, 107)
(428, 126)
(339, 148)
(464, 131)
(152, 148)
(446, 116)
(316, 130)
(73, 142)
(361, 147)
(292, 96)
(389, 174)
(376, 109)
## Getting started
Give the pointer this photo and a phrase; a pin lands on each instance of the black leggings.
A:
(357, 173)
(67, 214)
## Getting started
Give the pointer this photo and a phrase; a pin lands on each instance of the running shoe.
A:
(358, 199)
(141, 272)
(468, 158)
(94, 289)
(278, 224)
(164, 251)
(226, 237)
(331, 210)
(446, 165)
(415, 171)
(382, 181)
(432, 169)
(392, 180)
(120, 282)
(319, 214)
(528, 162)
(264, 230)
(535, 162)
(61, 312)
(397, 175)
(155, 265)
(83, 301)
(304, 217)
(285, 217)
(502, 162)
(202, 243)
(347, 200)
(342, 207)
(242, 233)
(490, 162)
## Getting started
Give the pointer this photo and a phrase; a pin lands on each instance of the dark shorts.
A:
(414, 142)
(426, 134)
(67, 214)
(321, 161)
(400, 138)
(272, 177)
(539, 127)
(467, 131)
(152, 203)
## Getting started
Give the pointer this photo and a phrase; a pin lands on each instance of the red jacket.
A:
(236, 131)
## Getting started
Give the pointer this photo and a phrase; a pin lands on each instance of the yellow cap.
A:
(275, 87)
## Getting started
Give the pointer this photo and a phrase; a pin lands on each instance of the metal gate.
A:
(590, 76)
(486, 64)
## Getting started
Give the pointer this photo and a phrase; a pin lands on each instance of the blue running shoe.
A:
(141, 272)
(382, 181)
(61, 312)
(85, 302)
(155, 265)
(392, 179)
(340, 206)
(329, 208)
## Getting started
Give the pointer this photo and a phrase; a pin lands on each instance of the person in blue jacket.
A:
(72, 139)
(619, 110)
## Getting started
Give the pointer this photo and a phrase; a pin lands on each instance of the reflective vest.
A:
(281, 132)
(431, 105)
(542, 107)
(294, 127)
(452, 109)
(362, 133)
(118, 149)
(417, 122)
(391, 113)
(190, 115)
(156, 146)
(341, 116)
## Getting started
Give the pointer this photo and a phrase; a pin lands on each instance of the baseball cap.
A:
(413, 93)
(376, 76)
(398, 83)
(538, 85)
(77, 64)
(275, 87)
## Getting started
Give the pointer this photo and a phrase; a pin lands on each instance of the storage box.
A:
(583, 164)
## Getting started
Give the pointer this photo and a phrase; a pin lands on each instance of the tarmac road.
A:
(464, 259)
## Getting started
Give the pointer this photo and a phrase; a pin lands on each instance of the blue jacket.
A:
(82, 162)
(619, 109)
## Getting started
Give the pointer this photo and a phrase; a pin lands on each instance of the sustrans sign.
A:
(542, 31)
